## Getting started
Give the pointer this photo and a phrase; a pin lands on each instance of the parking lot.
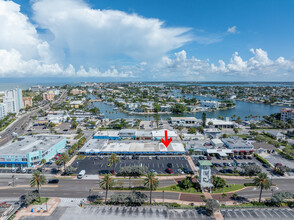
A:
(273, 213)
(97, 165)
(229, 164)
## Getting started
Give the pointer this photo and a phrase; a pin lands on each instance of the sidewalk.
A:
(38, 210)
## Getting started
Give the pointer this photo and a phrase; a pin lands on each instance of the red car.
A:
(169, 171)
(112, 172)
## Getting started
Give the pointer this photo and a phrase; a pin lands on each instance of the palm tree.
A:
(113, 160)
(64, 158)
(151, 182)
(38, 180)
(262, 182)
(106, 183)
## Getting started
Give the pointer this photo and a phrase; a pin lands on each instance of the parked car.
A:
(168, 170)
(52, 181)
(30, 171)
(180, 171)
(18, 170)
(23, 170)
(157, 157)
(124, 157)
(112, 172)
(169, 165)
(265, 165)
(13, 170)
(153, 171)
(150, 158)
(209, 158)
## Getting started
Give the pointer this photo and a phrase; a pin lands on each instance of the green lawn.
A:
(43, 200)
(232, 187)
(175, 188)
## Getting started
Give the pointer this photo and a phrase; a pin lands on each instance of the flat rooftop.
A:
(27, 144)
(104, 146)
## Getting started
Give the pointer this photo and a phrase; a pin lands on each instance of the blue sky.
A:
(136, 40)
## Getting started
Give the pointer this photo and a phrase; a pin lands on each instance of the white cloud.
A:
(89, 36)
(81, 39)
(259, 66)
(232, 30)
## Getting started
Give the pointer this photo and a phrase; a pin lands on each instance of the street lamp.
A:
(13, 178)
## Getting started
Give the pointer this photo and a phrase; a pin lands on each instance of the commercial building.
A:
(108, 135)
(27, 102)
(158, 134)
(49, 96)
(217, 123)
(76, 104)
(95, 146)
(238, 145)
(287, 114)
(28, 151)
(184, 121)
(78, 92)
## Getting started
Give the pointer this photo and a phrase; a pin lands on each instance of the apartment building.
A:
(287, 114)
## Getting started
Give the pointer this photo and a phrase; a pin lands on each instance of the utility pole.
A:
(163, 196)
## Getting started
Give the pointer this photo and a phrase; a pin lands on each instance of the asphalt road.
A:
(19, 126)
(80, 188)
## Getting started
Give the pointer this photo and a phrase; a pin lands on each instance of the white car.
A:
(150, 158)
(13, 170)
(180, 171)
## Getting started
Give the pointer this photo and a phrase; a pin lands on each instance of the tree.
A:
(95, 111)
(74, 124)
(192, 130)
(79, 130)
(138, 121)
(156, 117)
(156, 107)
(211, 206)
(43, 161)
(218, 182)
(204, 119)
(63, 159)
(38, 180)
(235, 196)
(113, 160)
(186, 183)
(106, 184)
(131, 199)
(262, 182)
(252, 170)
(180, 128)
(210, 123)
(51, 125)
(236, 130)
(280, 197)
(151, 182)
(239, 120)
(178, 108)
(69, 170)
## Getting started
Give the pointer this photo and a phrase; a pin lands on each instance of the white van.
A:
(81, 174)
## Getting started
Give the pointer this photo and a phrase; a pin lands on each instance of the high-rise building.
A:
(48, 96)
(13, 100)
(3, 110)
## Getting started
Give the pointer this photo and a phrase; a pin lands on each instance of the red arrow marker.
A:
(166, 142)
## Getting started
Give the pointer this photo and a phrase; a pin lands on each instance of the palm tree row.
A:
(151, 182)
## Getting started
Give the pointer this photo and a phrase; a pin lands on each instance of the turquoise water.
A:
(242, 109)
